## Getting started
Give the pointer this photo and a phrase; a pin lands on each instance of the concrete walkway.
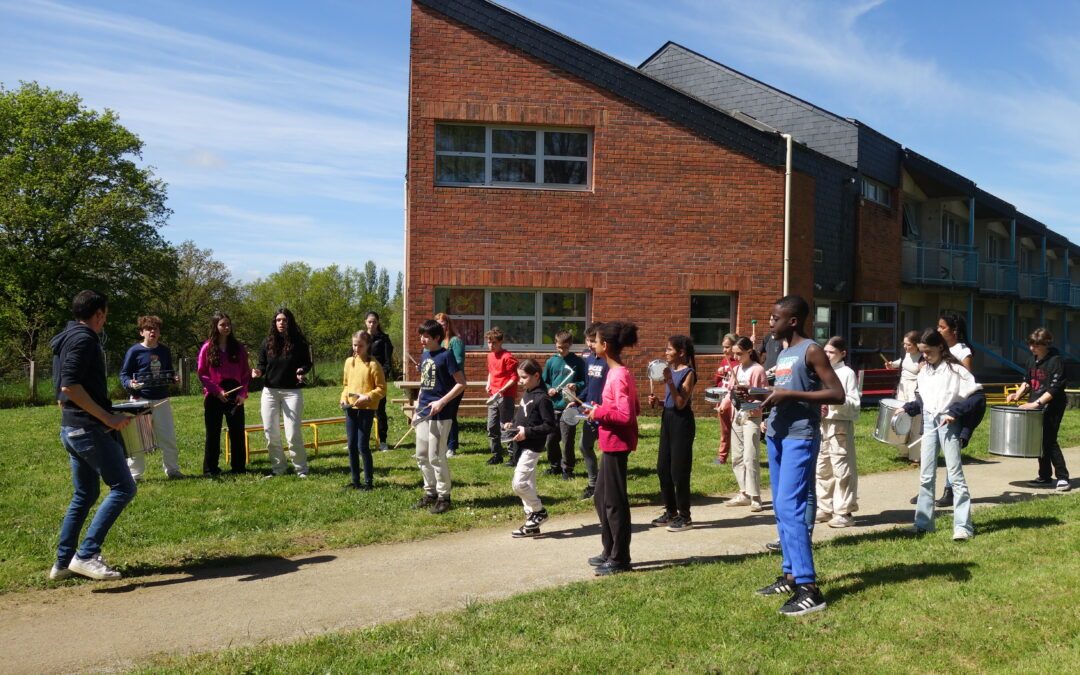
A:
(117, 624)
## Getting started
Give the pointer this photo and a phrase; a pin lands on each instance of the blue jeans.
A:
(94, 455)
(358, 432)
(792, 463)
(948, 439)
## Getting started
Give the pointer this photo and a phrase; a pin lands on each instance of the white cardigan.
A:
(942, 385)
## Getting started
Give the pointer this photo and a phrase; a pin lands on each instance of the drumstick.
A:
(883, 358)
(919, 439)
(400, 440)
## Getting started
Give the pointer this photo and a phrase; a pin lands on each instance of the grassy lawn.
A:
(198, 521)
(1003, 602)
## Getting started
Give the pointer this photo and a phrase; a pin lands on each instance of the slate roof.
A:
(738, 135)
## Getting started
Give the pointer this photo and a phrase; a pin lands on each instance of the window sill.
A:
(541, 188)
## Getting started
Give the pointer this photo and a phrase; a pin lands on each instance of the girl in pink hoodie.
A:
(618, 434)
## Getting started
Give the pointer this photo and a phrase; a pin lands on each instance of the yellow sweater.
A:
(363, 378)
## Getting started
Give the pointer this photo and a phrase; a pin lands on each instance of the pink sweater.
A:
(212, 377)
(618, 411)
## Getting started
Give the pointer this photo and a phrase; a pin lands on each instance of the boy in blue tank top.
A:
(805, 380)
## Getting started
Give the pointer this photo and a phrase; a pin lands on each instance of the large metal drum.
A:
(892, 428)
(139, 435)
(1015, 432)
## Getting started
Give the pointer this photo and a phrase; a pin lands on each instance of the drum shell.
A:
(1015, 432)
(883, 430)
(138, 436)
(715, 394)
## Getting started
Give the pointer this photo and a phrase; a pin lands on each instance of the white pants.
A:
(164, 439)
(287, 403)
(431, 438)
(524, 481)
(744, 455)
(837, 475)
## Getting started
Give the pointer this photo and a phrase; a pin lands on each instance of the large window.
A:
(873, 333)
(467, 154)
(529, 319)
(710, 320)
(876, 192)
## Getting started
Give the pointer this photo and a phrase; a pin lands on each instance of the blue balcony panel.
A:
(1032, 286)
(998, 277)
(940, 264)
(1074, 296)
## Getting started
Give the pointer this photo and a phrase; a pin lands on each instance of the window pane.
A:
(566, 144)
(517, 331)
(459, 138)
(510, 142)
(710, 307)
(564, 304)
(576, 328)
(458, 301)
(708, 334)
(459, 169)
(513, 170)
(509, 303)
(471, 331)
(565, 172)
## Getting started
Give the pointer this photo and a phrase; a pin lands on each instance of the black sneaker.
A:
(598, 560)
(611, 567)
(554, 471)
(774, 546)
(568, 475)
(663, 519)
(588, 493)
(805, 600)
(425, 501)
(442, 505)
(1041, 482)
(680, 524)
(914, 500)
(946, 498)
(526, 530)
(537, 517)
(495, 460)
(778, 587)
(365, 487)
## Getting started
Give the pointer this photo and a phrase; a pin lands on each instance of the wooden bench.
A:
(879, 382)
(314, 425)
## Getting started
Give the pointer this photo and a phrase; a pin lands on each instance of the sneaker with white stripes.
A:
(781, 585)
(805, 600)
(94, 568)
(58, 573)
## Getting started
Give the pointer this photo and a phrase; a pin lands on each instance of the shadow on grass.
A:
(856, 582)
(245, 568)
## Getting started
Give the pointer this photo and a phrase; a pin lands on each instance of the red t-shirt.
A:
(502, 367)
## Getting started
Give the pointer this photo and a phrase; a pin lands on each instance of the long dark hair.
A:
(278, 344)
(932, 338)
(957, 324)
(684, 344)
(618, 335)
(378, 322)
(232, 345)
(744, 343)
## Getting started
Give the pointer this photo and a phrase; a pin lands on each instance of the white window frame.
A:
(538, 157)
(724, 323)
(537, 318)
(877, 192)
(952, 228)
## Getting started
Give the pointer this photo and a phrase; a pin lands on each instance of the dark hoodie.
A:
(536, 414)
(382, 350)
(1048, 375)
(79, 359)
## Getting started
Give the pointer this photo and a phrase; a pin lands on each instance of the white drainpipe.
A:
(787, 215)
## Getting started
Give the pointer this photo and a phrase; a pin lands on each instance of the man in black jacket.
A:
(86, 419)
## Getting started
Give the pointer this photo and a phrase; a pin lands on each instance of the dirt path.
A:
(117, 624)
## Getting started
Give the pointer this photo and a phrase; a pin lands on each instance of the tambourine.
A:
(573, 415)
(656, 370)
(508, 435)
(715, 394)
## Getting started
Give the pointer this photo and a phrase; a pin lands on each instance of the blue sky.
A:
(280, 127)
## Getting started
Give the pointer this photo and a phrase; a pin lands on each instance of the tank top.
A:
(795, 419)
(677, 378)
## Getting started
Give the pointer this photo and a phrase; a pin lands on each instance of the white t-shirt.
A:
(960, 351)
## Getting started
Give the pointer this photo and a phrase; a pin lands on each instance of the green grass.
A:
(1003, 602)
(201, 522)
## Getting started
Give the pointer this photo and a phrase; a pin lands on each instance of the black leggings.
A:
(675, 459)
(213, 412)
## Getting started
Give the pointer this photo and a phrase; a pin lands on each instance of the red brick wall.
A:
(669, 213)
(878, 231)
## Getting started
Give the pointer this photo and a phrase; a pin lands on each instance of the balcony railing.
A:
(998, 276)
(1059, 291)
(1032, 286)
(940, 264)
(1074, 296)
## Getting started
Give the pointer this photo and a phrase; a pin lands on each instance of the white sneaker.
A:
(1063, 486)
(93, 568)
(383, 447)
(60, 573)
(301, 474)
(822, 516)
(961, 535)
(755, 505)
(841, 520)
(738, 500)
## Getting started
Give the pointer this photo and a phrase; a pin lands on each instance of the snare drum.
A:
(139, 435)
(893, 424)
(715, 394)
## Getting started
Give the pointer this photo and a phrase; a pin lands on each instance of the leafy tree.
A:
(203, 286)
(75, 212)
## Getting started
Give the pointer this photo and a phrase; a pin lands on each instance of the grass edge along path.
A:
(1005, 601)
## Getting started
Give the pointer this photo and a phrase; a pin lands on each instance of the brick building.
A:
(551, 185)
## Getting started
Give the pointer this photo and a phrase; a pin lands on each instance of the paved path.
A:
(288, 599)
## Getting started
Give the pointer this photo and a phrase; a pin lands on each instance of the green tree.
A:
(76, 212)
(203, 286)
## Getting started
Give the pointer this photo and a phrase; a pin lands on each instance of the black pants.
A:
(560, 445)
(675, 459)
(1051, 460)
(383, 424)
(213, 412)
(613, 506)
(358, 434)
